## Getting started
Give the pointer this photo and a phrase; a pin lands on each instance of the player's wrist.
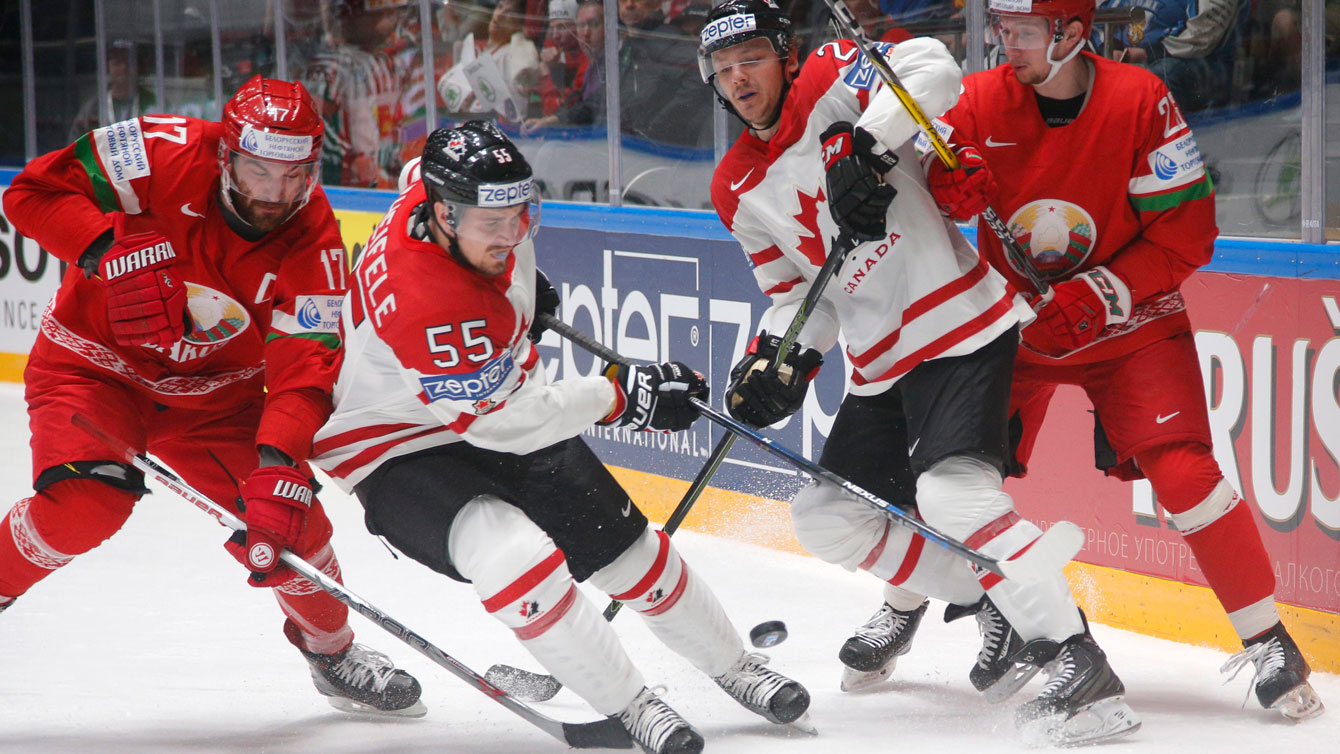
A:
(93, 254)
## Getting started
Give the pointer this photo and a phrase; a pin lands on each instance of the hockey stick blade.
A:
(599, 734)
(523, 684)
(1046, 556)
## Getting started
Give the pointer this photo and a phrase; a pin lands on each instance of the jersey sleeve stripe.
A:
(328, 339)
(361, 434)
(102, 188)
(368, 455)
(941, 344)
(920, 307)
(770, 254)
(125, 194)
(1167, 200)
(783, 287)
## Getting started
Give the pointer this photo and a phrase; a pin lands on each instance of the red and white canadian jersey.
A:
(920, 293)
(1142, 206)
(437, 353)
(264, 310)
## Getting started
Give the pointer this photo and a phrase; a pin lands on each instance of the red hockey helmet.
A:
(270, 151)
(1052, 17)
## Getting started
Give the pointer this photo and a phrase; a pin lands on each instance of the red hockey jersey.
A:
(922, 292)
(264, 313)
(1123, 186)
(437, 353)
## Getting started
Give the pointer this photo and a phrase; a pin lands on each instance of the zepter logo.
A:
(721, 27)
(1058, 235)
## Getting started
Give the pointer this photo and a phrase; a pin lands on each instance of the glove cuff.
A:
(1112, 291)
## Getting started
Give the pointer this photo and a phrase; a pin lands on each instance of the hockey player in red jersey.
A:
(1117, 235)
(469, 462)
(198, 321)
(930, 331)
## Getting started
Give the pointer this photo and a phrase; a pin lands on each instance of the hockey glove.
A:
(761, 396)
(546, 302)
(146, 301)
(276, 500)
(1080, 308)
(656, 396)
(965, 192)
(858, 197)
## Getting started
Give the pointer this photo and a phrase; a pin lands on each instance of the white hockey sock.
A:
(962, 497)
(678, 606)
(523, 581)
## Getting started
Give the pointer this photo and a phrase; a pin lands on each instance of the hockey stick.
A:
(600, 734)
(848, 27)
(540, 687)
(1042, 560)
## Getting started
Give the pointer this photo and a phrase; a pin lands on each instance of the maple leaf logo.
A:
(810, 241)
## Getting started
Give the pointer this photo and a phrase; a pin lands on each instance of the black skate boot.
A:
(994, 674)
(1281, 674)
(871, 654)
(361, 680)
(657, 728)
(765, 692)
(5, 605)
(1083, 701)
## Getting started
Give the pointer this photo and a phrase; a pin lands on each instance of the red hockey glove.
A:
(1080, 308)
(146, 301)
(964, 192)
(656, 396)
(760, 396)
(277, 499)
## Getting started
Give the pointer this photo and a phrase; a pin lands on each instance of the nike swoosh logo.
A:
(735, 185)
(1162, 419)
(627, 508)
(992, 143)
(186, 210)
(913, 449)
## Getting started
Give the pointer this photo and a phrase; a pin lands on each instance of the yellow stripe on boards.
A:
(11, 366)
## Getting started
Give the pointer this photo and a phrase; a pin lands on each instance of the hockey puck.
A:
(769, 633)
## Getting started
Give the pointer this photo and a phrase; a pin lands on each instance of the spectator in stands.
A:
(356, 84)
(1190, 46)
(508, 75)
(125, 97)
(659, 96)
(562, 62)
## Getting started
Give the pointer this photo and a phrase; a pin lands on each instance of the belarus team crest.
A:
(1058, 235)
(215, 316)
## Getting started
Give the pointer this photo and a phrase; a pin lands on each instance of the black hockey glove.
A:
(760, 396)
(655, 396)
(546, 302)
(858, 197)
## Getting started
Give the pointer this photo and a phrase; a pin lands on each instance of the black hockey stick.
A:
(600, 734)
(541, 687)
(1042, 560)
(848, 27)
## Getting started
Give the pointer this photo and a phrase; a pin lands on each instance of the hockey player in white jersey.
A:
(467, 461)
(930, 332)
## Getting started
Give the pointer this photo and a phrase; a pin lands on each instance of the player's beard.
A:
(263, 216)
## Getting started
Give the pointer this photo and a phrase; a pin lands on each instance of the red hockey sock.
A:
(44, 532)
(316, 621)
(1219, 527)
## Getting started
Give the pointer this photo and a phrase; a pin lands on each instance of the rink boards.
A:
(657, 284)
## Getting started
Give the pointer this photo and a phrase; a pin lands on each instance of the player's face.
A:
(1025, 40)
(750, 76)
(267, 192)
(486, 236)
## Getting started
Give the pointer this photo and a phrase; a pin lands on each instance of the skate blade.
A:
(343, 704)
(859, 680)
(1103, 720)
(1299, 704)
(804, 725)
(1014, 679)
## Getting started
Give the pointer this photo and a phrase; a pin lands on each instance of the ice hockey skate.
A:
(994, 674)
(657, 728)
(872, 653)
(364, 681)
(1083, 701)
(1281, 674)
(766, 692)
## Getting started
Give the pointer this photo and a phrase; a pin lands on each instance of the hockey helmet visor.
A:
(1034, 24)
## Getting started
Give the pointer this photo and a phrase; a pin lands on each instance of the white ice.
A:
(153, 644)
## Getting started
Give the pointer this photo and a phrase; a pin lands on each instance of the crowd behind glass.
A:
(556, 74)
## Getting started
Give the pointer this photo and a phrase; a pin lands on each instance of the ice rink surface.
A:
(153, 644)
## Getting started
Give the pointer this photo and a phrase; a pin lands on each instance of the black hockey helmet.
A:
(737, 21)
(476, 165)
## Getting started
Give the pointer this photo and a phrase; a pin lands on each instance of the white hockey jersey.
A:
(436, 353)
(922, 292)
